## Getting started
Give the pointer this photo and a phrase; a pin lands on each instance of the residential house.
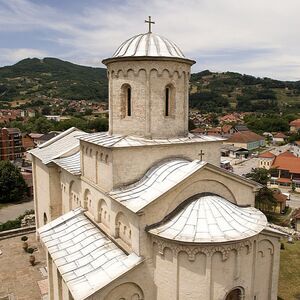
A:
(246, 139)
(281, 201)
(296, 148)
(266, 160)
(295, 126)
(279, 138)
(285, 170)
(234, 152)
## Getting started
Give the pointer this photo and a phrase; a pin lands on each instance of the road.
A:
(12, 211)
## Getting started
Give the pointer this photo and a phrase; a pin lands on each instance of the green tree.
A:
(264, 199)
(12, 184)
(260, 175)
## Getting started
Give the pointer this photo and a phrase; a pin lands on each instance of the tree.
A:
(260, 175)
(12, 185)
(264, 199)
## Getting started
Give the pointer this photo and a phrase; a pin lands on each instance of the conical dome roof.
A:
(148, 44)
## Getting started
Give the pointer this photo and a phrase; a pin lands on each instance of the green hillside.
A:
(51, 77)
(209, 92)
(233, 91)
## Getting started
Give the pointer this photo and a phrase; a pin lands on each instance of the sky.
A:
(255, 37)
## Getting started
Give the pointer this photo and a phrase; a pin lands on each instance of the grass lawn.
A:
(289, 276)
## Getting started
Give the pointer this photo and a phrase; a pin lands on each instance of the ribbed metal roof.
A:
(211, 219)
(155, 183)
(118, 141)
(70, 163)
(85, 257)
(58, 146)
(148, 44)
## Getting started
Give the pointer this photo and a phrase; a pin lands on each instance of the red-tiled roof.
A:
(245, 137)
(279, 196)
(290, 163)
(295, 123)
(267, 154)
(226, 128)
(280, 135)
(283, 180)
(286, 154)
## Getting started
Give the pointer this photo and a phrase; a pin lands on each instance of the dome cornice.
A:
(148, 58)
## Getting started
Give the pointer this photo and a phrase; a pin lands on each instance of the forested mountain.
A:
(233, 91)
(209, 92)
(51, 77)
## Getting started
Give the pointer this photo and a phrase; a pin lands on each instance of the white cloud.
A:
(200, 27)
(14, 55)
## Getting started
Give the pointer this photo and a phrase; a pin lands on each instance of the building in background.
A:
(10, 144)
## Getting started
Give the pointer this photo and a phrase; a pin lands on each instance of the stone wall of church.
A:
(47, 192)
(185, 271)
(131, 164)
(136, 285)
(148, 81)
(70, 190)
(112, 217)
(96, 165)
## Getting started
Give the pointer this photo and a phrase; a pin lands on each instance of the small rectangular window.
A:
(167, 100)
(129, 102)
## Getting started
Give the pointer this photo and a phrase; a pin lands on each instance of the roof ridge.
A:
(58, 137)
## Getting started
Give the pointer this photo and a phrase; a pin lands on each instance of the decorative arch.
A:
(86, 199)
(126, 100)
(189, 192)
(71, 195)
(45, 218)
(103, 215)
(126, 291)
(237, 293)
(123, 229)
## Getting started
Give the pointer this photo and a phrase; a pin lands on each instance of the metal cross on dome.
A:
(149, 23)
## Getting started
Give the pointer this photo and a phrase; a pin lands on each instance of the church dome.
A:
(148, 44)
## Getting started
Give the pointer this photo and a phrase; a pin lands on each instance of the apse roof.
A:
(118, 141)
(148, 44)
(211, 219)
(156, 182)
(58, 146)
(85, 257)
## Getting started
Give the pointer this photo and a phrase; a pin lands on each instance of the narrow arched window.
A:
(167, 101)
(128, 101)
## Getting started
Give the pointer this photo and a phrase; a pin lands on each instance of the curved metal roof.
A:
(158, 180)
(148, 44)
(211, 218)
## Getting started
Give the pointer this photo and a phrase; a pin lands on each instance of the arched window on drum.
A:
(126, 101)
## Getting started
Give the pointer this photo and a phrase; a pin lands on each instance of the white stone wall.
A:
(47, 192)
(186, 271)
(148, 80)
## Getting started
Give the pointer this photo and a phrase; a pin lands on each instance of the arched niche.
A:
(71, 195)
(237, 293)
(45, 218)
(103, 215)
(87, 198)
(122, 228)
(126, 291)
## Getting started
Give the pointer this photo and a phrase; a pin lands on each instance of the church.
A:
(143, 211)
